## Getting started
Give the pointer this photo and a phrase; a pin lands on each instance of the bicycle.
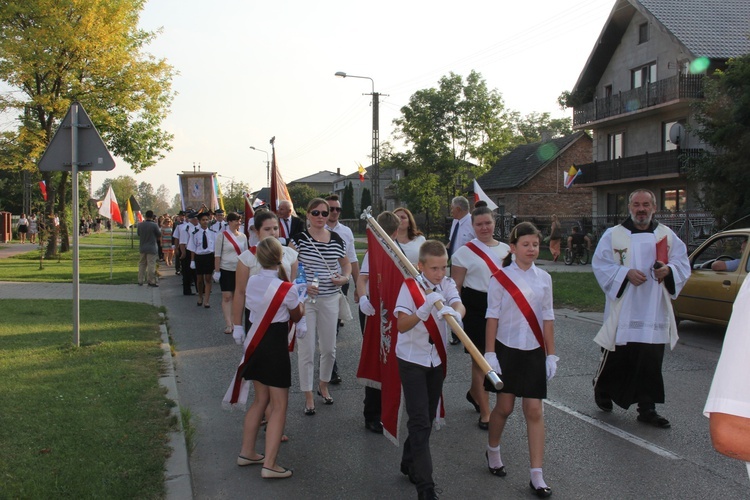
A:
(578, 253)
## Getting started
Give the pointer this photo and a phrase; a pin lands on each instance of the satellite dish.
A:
(676, 133)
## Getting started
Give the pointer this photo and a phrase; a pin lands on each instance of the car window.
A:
(727, 248)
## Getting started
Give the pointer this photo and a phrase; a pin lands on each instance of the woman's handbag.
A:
(345, 311)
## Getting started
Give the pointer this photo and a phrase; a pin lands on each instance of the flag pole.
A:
(111, 247)
(399, 258)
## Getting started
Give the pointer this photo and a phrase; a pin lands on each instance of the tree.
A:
(54, 53)
(538, 127)
(123, 186)
(145, 197)
(301, 195)
(347, 203)
(161, 205)
(455, 132)
(232, 193)
(724, 123)
(366, 200)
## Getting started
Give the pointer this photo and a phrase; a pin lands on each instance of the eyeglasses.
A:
(318, 213)
(335, 209)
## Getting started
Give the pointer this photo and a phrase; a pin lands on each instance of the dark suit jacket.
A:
(297, 225)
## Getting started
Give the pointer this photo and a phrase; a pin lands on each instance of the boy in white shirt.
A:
(421, 357)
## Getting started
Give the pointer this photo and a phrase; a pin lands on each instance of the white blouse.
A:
(477, 272)
(224, 249)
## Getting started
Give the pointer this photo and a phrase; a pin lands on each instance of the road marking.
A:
(631, 438)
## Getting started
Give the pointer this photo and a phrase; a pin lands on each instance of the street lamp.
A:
(375, 174)
(268, 165)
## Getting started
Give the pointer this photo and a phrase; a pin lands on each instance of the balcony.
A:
(660, 92)
(649, 165)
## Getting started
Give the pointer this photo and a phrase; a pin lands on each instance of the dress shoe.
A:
(335, 379)
(267, 473)
(326, 400)
(653, 418)
(540, 492)
(483, 425)
(309, 411)
(495, 471)
(454, 340)
(242, 461)
(374, 426)
(603, 401)
(406, 471)
(471, 400)
(153, 285)
(428, 494)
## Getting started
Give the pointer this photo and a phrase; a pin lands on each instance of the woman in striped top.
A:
(323, 253)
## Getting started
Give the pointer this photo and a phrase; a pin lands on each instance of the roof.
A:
(717, 29)
(324, 176)
(520, 165)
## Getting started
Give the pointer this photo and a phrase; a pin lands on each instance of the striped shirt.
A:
(331, 252)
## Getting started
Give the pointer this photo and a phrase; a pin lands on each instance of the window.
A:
(614, 146)
(617, 204)
(608, 91)
(726, 249)
(643, 33)
(674, 200)
(643, 76)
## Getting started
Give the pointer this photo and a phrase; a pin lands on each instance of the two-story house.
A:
(635, 94)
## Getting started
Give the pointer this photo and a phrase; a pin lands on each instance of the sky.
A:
(249, 71)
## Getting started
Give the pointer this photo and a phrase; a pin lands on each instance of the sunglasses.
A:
(335, 209)
(318, 213)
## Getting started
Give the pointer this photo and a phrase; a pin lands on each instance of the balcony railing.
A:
(660, 92)
(646, 165)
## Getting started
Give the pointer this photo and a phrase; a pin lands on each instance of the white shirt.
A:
(513, 330)
(254, 301)
(411, 249)
(348, 237)
(249, 260)
(186, 229)
(195, 242)
(465, 232)
(477, 272)
(414, 345)
(218, 226)
(224, 249)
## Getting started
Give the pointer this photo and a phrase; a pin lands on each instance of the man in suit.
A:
(461, 233)
(289, 225)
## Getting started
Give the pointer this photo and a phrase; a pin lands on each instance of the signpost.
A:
(76, 146)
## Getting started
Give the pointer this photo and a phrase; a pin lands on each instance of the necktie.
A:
(286, 223)
(205, 240)
(452, 242)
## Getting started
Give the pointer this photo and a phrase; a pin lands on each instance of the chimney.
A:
(338, 171)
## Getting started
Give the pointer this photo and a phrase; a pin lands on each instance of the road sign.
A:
(92, 155)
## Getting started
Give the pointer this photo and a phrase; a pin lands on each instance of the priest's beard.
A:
(641, 218)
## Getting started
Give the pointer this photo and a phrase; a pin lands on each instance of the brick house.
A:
(635, 92)
(528, 181)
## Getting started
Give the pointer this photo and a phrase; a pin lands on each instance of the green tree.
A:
(724, 123)
(537, 127)
(161, 205)
(145, 197)
(123, 186)
(347, 204)
(366, 200)
(454, 132)
(232, 192)
(301, 195)
(53, 53)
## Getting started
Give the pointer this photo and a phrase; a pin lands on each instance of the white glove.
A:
(449, 311)
(366, 307)
(238, 333)
(551, 366)
(301, 330)
(491, 358)
(217, 275)
(192, 264)
(424, 310)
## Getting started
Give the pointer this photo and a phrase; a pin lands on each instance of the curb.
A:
(177, 479)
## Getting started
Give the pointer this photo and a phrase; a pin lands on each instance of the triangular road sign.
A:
(93, 155)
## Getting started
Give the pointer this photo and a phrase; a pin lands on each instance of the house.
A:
(635, 93)
(322, 182)
(389, 199)
(528, 181)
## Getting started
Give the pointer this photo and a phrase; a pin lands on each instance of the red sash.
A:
(253, 249)
(523, 305)
(260, 331)
(230, 239)
(486, 258)
(432, 328)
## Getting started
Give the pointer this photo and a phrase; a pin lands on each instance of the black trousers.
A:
(372, 395)
(187, 275)
(422, 386)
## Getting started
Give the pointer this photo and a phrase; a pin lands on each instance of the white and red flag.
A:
(479, 195)
(249, 212)
(110, 209)
(279, 191)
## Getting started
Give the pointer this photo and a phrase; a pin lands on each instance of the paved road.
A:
(589, 454)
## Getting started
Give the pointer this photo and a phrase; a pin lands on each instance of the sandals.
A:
(309, 411)
(228, 330)
(326, 400)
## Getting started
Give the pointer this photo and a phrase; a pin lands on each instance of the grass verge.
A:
(87, 422)
(578, 291)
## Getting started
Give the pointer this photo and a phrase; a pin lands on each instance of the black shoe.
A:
(454, 340)
(406, 471)
(335, 379)
(326, 400)
(653, 418)
(603, 401)
(427, 494)
(483, 425)
(153, 285)
(188, 293)
(541, 492)
(499, 471)
(471, 400)
(374, 426)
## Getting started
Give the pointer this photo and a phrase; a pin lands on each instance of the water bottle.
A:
(301, 279)
(314, 284)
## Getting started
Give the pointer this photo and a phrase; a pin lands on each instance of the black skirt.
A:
(23, 229)
(524, 372)
(475, 323)
(204, 264)
(270, 364)
(226, 281)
